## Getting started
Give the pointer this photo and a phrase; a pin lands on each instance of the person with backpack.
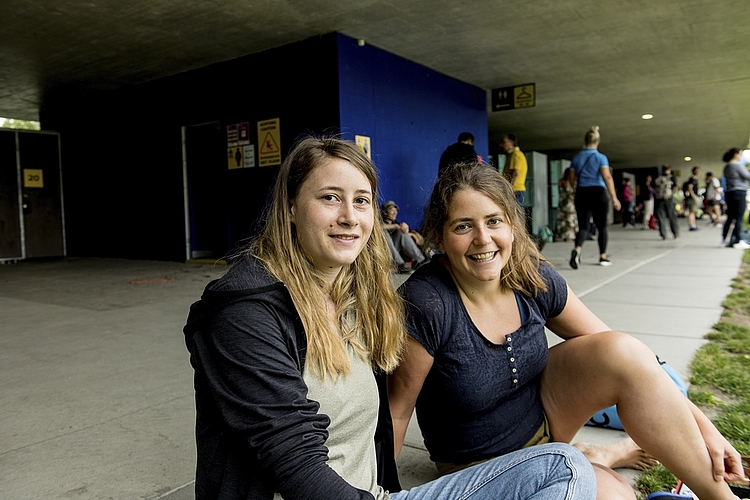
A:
(665, 212)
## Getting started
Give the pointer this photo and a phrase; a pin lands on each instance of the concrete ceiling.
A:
(602, 62)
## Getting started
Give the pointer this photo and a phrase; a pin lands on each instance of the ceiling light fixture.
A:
(647, 116)
(687, 158)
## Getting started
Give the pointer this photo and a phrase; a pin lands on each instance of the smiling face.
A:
(333, 215)
(392, 213)
(476, 238)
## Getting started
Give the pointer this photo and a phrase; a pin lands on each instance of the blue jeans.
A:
(552, 471)
(520, 196)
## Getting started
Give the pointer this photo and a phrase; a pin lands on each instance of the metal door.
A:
(205, 177)
(41, 194)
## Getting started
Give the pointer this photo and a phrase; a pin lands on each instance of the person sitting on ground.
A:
(404, 243)
(478, 367)
(284, 347)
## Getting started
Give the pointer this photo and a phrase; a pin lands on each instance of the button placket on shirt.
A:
(512, 360)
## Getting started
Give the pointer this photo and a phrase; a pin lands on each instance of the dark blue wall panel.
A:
(411, 114)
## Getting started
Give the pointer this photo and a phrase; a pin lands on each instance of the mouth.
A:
(483, 257)
(345, 237)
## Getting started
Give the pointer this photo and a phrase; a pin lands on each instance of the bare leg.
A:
(610, 485)
(586, 374)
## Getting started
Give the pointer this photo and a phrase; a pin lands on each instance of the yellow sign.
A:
(364, 144)
(33, 178)
(269, 150)
(523, 96)
(517, 96)
(234, 157)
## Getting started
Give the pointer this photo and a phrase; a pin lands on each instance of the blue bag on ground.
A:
(608, 417)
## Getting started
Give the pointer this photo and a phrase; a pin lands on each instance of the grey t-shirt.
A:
(351, 402)
(736, 176)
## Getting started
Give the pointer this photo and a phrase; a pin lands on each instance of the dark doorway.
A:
(207, 196)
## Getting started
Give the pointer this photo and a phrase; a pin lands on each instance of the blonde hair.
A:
(521, 273)
(592, 136)
(368, 310)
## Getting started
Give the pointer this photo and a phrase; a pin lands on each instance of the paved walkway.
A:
(96, 397)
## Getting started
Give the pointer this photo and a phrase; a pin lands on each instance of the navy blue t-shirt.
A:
(480, 399)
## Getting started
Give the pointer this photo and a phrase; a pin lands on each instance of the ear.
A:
(291, 212)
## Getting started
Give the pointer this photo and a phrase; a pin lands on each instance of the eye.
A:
(329, 197)
(362, 200)
(495, 222)
(459, 228)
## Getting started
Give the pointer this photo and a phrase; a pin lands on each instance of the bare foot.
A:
(622, 454)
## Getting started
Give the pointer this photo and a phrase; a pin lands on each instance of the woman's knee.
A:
(601, 356)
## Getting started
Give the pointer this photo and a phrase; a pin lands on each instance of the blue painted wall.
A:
(411, 114)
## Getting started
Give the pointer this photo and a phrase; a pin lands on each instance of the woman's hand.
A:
(725, 460)
(727, 463)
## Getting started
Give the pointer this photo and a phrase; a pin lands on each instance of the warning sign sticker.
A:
(269, 150)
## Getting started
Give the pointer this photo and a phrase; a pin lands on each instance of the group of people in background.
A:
(586, 190)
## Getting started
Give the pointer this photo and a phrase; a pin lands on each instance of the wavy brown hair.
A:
(521, 273)
(369, 312)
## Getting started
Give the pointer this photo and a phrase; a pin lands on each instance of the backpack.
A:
(663, 187)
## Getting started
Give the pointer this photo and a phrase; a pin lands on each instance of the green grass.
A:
(721, 375)
(657, 478)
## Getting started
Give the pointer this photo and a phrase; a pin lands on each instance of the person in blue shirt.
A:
(592, 201)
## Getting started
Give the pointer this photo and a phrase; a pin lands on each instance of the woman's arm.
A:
(727, 465)
(404, 386)
(743, 171)
(610, 183)
(575, 320)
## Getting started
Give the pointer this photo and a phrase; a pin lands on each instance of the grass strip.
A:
(720, 381)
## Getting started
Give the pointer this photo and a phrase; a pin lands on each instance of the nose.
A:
(481, 236)
(347, 215)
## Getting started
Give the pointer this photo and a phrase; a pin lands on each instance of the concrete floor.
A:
(96, 398)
